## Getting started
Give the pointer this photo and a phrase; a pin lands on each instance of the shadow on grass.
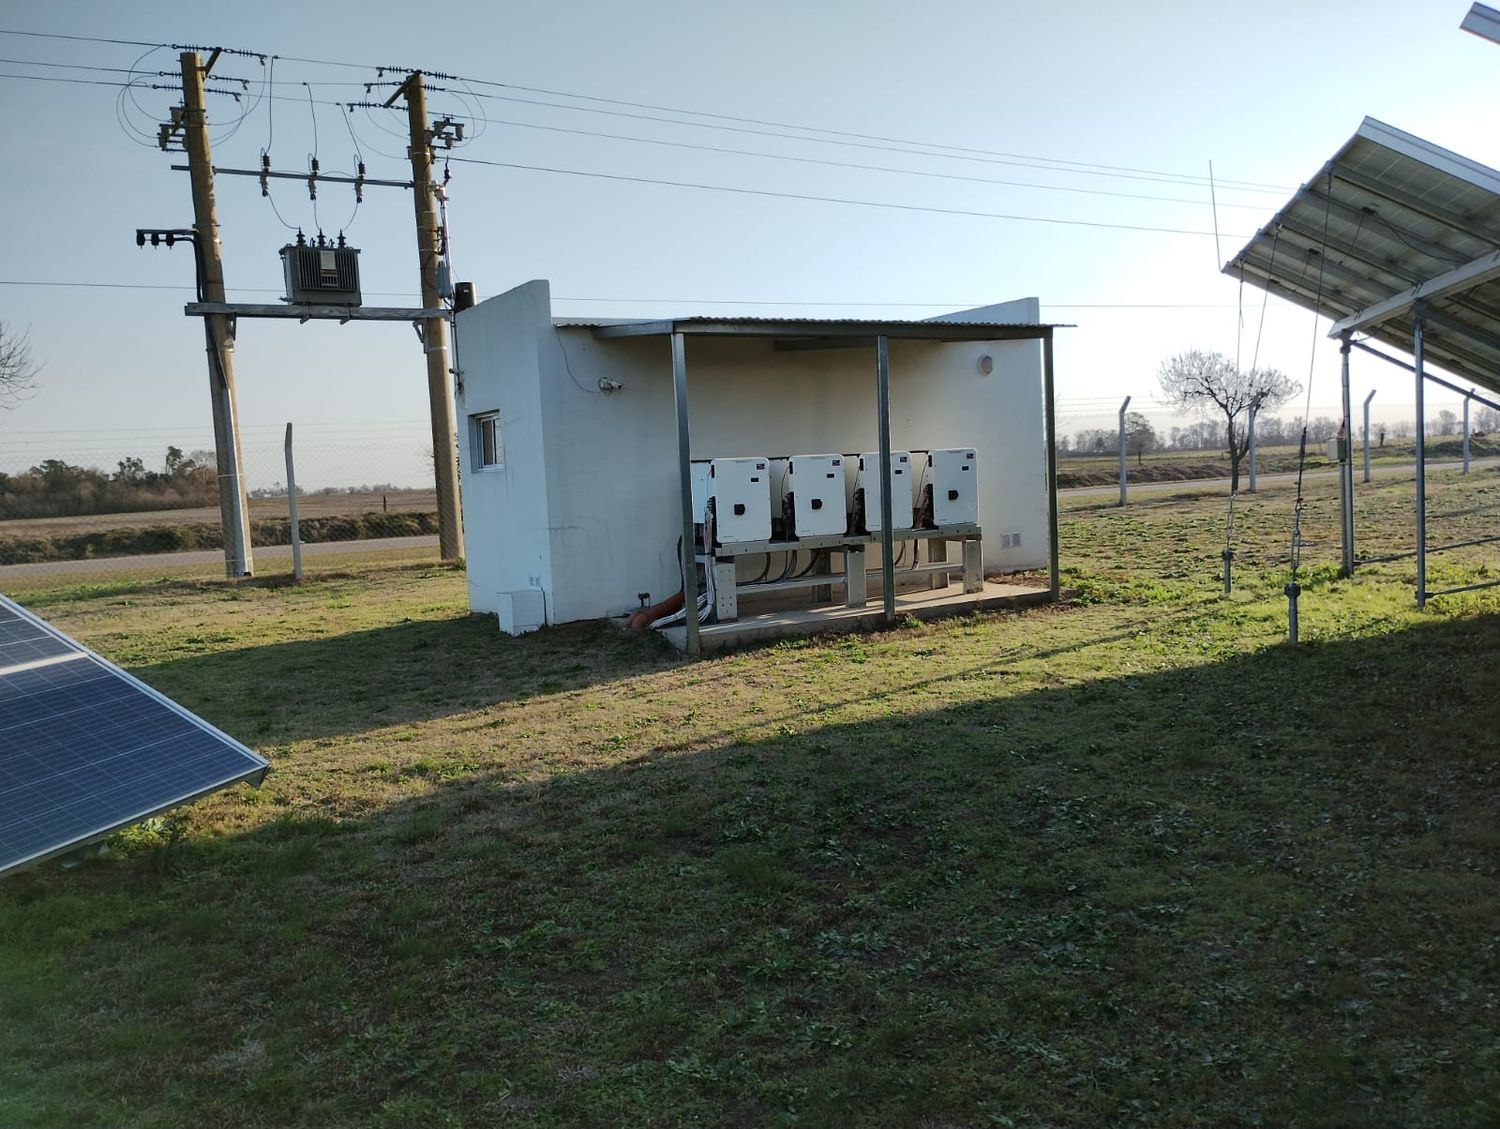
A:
(1260, 891)
(415, 671)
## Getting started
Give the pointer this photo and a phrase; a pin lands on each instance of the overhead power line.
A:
(825, 135)
(836, 199)
(854, 165)
(953, 305)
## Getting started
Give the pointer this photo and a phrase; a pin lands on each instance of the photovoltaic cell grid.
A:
(86, 749)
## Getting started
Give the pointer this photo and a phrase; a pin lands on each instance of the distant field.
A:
(308, 506)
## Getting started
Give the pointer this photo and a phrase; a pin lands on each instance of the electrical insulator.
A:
(265, 169)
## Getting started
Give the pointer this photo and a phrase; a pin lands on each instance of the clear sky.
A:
(1080, 107)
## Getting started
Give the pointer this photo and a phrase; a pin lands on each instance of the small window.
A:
(485, 442)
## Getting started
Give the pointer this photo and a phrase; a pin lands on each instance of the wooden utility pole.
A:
(434, 330)
(233, 504)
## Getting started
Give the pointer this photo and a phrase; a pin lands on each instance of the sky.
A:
(1008, 145)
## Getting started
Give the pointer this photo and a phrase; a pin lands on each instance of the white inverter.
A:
(739, 491)
(807, 496)
(863, 481)
(947, 489)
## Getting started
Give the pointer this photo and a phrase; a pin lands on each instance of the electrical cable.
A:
(855, 165)
(836, 199)
(828, 136)
(1296, 546)
(313, 157)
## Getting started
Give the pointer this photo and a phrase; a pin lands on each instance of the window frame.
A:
(479, 424)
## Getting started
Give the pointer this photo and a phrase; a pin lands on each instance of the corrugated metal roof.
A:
(812, 323)
(1392, 219)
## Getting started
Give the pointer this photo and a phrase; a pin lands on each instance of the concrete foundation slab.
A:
(835, 618)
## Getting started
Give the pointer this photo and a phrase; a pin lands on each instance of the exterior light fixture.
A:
(986, 365)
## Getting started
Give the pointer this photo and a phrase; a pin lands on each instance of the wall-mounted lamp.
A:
(986, 365)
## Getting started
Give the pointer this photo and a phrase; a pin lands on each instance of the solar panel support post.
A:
(1048, 390)
(291, 507)
(887, 503)
(685, 483)
(1417, 327)
(1368, 398)
(1346, 465)
(1250, 445)
(1467, 400)
(1124, 469)
(234, 505)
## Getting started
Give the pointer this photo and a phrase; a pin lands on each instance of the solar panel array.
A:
(86, 749)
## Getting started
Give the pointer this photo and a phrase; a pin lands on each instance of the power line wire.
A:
(829, 136)
(834, 199)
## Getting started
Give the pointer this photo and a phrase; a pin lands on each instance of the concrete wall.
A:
(505, 511)
(592, 514)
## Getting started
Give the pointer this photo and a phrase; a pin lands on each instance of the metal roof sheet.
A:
(1388, 215)
(944, 329)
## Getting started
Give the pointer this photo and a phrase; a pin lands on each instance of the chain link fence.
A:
(108, 508)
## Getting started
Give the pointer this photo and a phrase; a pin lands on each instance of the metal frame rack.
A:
(854, 577)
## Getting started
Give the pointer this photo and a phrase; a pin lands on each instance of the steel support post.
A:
(883, 422)
(1346, 466)
(1250, 446)
(685, 483)
(1123, 406)
(1467, 401)
(1368, 398)
(1048, 380)
(1416, 350)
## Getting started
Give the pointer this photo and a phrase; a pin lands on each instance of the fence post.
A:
(291, 505)
(1368, 398)
(1123, 471)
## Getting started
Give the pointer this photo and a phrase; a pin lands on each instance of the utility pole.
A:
(233, 504)
(434, 330)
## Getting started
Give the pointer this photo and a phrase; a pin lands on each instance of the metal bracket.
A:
(420, 331)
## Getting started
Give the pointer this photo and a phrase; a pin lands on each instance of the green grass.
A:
(1131, 861)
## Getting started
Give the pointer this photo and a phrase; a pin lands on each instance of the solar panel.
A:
(86, 749)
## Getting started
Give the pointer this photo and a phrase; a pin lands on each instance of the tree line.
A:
(56, 488)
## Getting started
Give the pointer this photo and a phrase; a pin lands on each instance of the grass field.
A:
(1129, 861)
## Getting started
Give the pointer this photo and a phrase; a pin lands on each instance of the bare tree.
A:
(1209, 382)
(17, 367)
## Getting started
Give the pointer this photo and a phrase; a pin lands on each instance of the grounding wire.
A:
(1296, 546)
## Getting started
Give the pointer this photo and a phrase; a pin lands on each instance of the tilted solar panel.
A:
(86, 749)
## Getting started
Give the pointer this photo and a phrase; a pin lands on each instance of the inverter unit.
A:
(736, 495)
(807, 496)
(321, 273)
(863, 484)
(947, 491)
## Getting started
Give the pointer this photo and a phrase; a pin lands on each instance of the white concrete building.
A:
(568, 434)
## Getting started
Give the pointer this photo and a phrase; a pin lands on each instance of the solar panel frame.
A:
(23, 632)
(1387, 212)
